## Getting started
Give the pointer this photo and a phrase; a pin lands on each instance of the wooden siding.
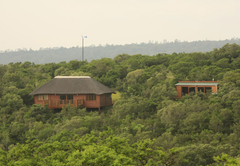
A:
(179, 88)
(55, 102)
(179, 91)
(106, 100)
(214, 89)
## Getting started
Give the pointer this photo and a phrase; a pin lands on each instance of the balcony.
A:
(61, 103)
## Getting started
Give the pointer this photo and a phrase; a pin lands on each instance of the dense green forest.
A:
(56, 55)
(145, 126)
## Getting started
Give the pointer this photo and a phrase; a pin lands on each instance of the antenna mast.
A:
(83, 47)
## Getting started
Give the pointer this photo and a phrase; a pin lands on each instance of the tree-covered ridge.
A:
(58, 54)
(146, 126)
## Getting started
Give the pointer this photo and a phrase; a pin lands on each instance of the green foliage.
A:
(107, 149)
(226, 160)
(148, 125)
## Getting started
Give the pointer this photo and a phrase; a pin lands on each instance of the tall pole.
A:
(82, 48)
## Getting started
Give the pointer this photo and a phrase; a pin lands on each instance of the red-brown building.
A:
(74, 90)
(185, 87)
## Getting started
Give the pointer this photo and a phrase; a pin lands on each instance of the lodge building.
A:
(73, 90)
(186, 87)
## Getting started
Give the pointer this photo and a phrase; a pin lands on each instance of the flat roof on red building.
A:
(197, 83)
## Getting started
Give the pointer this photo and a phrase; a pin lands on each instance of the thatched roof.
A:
(72, 85)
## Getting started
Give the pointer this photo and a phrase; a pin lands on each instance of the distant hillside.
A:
(48, 55)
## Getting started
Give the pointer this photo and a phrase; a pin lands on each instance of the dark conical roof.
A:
(72, 85)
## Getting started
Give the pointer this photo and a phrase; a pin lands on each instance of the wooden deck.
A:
(61, 103)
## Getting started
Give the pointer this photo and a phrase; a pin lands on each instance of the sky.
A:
(62, 23)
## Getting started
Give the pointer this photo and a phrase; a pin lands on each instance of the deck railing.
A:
(61, 103)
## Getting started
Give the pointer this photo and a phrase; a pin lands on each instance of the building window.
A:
(184, 90)
(70, 97)
(63, 97)
(201, 89)
(91, 97)
(208, 89)
(42, 97)
(191, 89)
(66, 97)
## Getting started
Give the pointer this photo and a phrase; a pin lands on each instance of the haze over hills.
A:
(48, 55)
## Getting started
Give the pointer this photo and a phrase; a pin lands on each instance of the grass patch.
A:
(170, 75)
(116, 96)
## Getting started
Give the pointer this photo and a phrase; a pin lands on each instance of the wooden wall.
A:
(106, 100)
(179, 92)
(214, 89)
(101, 100)
(179, 89)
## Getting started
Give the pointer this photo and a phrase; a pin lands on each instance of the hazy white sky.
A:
(54, 23)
